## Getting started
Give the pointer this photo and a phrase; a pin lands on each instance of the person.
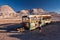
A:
(40, 27)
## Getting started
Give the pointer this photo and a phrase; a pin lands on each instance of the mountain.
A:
(23, 12)
(32, 11)
(7, 12)
(55, 16)
(37, 11)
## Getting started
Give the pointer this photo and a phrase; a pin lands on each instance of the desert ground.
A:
(6, 21)
(49, 32)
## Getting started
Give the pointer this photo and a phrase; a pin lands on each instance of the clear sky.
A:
(48, 5)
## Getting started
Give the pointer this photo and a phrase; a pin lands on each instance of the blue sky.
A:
(48, 5)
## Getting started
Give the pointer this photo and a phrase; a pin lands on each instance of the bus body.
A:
(32, 21)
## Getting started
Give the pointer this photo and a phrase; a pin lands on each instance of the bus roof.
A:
(37, 15)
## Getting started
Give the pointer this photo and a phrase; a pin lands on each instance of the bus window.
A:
(25, 18)
(46, 17)
(33, 18)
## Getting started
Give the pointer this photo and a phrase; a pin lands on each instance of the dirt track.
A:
(50, 32)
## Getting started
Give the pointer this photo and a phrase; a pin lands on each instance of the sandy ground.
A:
(49, 32)
(4, 21)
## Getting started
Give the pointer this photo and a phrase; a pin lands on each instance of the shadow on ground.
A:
(50, 32)
(10, 26)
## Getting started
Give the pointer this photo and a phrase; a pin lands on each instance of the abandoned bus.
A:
(32, 21)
